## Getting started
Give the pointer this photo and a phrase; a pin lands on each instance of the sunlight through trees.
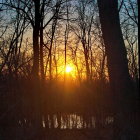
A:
(69, 67)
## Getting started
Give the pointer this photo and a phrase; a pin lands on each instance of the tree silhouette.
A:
(121, 84)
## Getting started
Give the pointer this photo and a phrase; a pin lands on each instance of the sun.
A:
(68, 69)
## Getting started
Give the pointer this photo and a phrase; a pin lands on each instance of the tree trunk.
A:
(121, 85)
(41, 47)
(35, 69)
(87, 63)
(36, 93)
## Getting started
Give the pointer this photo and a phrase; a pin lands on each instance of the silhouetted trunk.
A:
(52, 39)
(102, 68)
(121, 85)
(41, 44)
(87, 64)
(55, 62)
(41, 55)
(37, 121)
(35, 69)
(50, 50)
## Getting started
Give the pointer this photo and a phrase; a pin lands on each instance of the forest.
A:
(69, 70)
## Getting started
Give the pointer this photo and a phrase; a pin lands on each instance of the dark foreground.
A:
(58, 134)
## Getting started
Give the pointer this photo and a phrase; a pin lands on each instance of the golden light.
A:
(68, 69)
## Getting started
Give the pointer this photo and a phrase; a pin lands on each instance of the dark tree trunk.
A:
(121, 85)
(35, 87)
(86, 61)
(87, 67)
(41, 44)
(36, 28)
(52, 39)
(41, 55)
(50, 51)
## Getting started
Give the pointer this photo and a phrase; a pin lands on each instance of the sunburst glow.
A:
(68, 69)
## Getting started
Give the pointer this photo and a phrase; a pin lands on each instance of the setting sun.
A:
(68, 69)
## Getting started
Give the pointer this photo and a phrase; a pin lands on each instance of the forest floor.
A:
(12, 133)
(84, 134)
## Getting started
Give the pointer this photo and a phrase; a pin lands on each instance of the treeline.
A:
(42, 36)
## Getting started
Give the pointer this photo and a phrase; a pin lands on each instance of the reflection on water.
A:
(71, 121)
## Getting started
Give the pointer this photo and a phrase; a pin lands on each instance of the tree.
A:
(129, 25)
(82, 29)
(121, 84)
(36, 30)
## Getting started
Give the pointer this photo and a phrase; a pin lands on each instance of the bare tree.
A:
(121, 84)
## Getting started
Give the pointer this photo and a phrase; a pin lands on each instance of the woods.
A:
(69, 66)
